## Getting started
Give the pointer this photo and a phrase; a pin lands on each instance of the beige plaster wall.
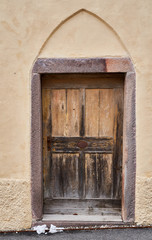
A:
(53, 28)
(15, 204)
(83, 34)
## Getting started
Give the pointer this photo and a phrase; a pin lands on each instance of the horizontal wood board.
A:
(76, 80)
(73, 144)
(79, 220)
(82, 207)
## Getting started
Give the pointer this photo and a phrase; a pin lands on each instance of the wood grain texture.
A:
(106, 118)
(58, 112)
(85, 203)
(118, 137)
(47, 130)
(77, 80)
(66, 109)
(65, 220)
(72, 128)
(82, 110)
(83, 206)
(98, 176)
(92, 113)
(71, 144)
(99, 112)
(64, 176)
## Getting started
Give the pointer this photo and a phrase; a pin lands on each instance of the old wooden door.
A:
(82, 143)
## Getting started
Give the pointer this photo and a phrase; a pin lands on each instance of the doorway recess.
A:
(83, 146)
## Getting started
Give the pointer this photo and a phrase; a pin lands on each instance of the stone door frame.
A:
(86, 65)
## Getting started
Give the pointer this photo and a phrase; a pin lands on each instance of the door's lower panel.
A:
(81, 176)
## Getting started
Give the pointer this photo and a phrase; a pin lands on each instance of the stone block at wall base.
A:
(15, 205)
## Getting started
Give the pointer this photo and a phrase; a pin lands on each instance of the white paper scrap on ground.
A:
(40, 229)
(54, 229)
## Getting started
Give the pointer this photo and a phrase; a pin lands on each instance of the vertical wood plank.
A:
(81, 169)
(64, 176)
(98, 175)
(92, 112)
(47, 128)
(91, 176)
(72, 128)
(118, 136)
(106, 121)
(82, 112)
(59, 108)
(106, 186)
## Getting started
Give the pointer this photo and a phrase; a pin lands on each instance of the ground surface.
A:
(105, 234)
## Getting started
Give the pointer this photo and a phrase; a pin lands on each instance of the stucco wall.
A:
(53, 28)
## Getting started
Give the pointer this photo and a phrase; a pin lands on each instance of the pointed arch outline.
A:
(70, 17)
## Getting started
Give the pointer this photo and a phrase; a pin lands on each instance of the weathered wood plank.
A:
(72, 127)
(67, 144)
(58, 109)
(81, 175)
(47, 129)
(107, 175)
(118, 137)
(82, 206)
(82, 115)
(74, 203)
(83, 80)
(106, 119)
(92, 176)
(83, 211)
(92, 113)
(98, 175)
(82, 219)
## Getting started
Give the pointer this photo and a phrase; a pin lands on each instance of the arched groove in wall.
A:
(70, 17)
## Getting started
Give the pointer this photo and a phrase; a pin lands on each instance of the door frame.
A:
(85, 65)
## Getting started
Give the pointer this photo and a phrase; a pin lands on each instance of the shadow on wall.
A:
(83, 34)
